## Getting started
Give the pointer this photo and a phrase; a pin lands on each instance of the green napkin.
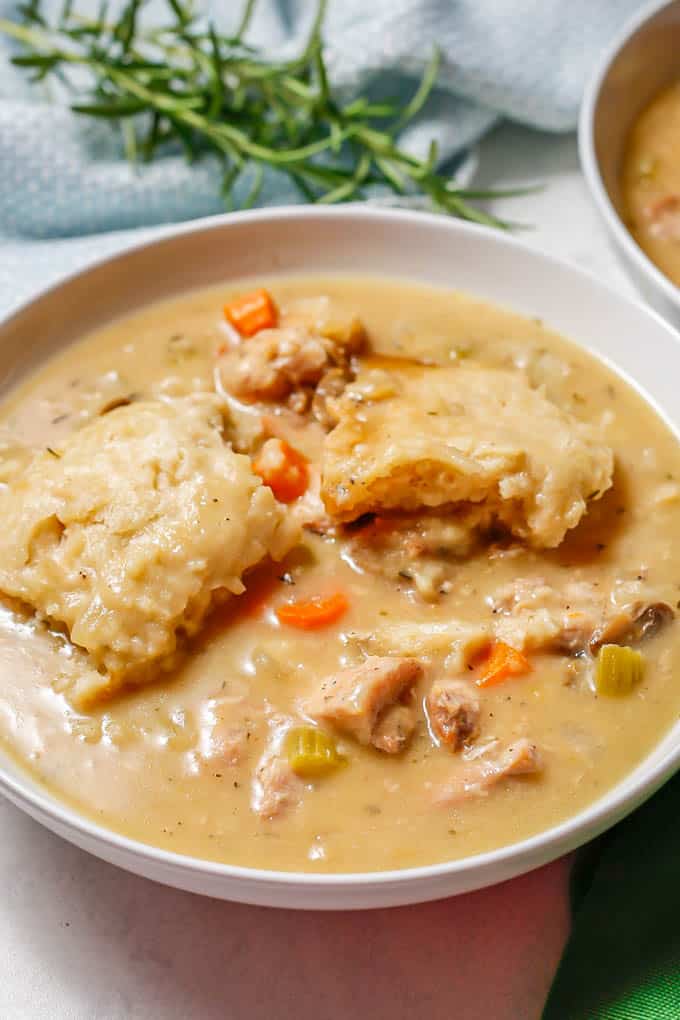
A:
(622, 961)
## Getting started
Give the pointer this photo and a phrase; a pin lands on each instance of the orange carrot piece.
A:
(314, 613)
(252, 312)
(502, 662)
(284, 469)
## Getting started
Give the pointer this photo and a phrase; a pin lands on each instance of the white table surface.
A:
(80, 940)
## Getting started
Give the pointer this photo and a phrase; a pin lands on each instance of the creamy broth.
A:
(650, 181)
(136, 763)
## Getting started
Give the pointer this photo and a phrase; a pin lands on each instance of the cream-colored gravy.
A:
(135, 765)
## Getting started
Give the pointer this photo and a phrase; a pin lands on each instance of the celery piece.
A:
(619, 668)
(311, 752)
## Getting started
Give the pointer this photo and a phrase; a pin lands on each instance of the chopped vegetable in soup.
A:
(334, 574)
(650, 181)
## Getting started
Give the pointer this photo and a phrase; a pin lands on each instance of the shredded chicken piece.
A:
(477, 777)
(358, 701)
(394, 729)
(276, 788)
(227, 726)
(329, 388)
(453, 712)
(311, 346)
(273, 363)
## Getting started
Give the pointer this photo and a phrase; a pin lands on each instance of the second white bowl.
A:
(640, 62)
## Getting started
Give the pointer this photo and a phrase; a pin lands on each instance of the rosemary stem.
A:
(216, 95)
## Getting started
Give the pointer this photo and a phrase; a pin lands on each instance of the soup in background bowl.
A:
(640, 65)
(650, 181)
(333, 574)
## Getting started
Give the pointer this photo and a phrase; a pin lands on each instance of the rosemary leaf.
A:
(255, 188)
(423, 91)
(246, 17)
(111, 110)
(183, 83)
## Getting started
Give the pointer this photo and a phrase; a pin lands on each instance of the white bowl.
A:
(640, 62)
(351, 240)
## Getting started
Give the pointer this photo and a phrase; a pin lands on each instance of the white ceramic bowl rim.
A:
(589, 161)
(594, 819)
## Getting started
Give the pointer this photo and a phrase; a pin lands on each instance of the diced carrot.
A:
(502, 662)
(314, 613)
(252, 312)
(284, 469)
(221, 349)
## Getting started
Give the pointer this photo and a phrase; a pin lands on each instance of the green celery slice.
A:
(311, 752)
(619, 668)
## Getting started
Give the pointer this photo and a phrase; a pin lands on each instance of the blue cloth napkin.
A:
(67, 193)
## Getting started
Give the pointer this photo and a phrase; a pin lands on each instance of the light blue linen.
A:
(65, 180)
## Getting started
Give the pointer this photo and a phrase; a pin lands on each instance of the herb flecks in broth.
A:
(424, 657)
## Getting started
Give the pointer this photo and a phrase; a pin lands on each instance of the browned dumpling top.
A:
(420, 436)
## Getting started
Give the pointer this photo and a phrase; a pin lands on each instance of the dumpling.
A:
(129, 532)
(414, 436)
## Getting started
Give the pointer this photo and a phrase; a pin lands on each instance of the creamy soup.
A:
(411, 670)
(650, 183)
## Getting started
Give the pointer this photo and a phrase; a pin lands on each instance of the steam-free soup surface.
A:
(650, 182)
(179, 762)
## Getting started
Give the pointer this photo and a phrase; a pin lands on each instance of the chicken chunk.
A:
(394, 728)
(453, 712)
(361, 701)
(130, 531)
(290, 360)
(469, 437)
(477, 777)
(273, 363)
(227, 726)
(276, 788)
(324, 402)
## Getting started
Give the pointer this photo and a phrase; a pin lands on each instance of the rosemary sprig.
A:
(185, 84)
